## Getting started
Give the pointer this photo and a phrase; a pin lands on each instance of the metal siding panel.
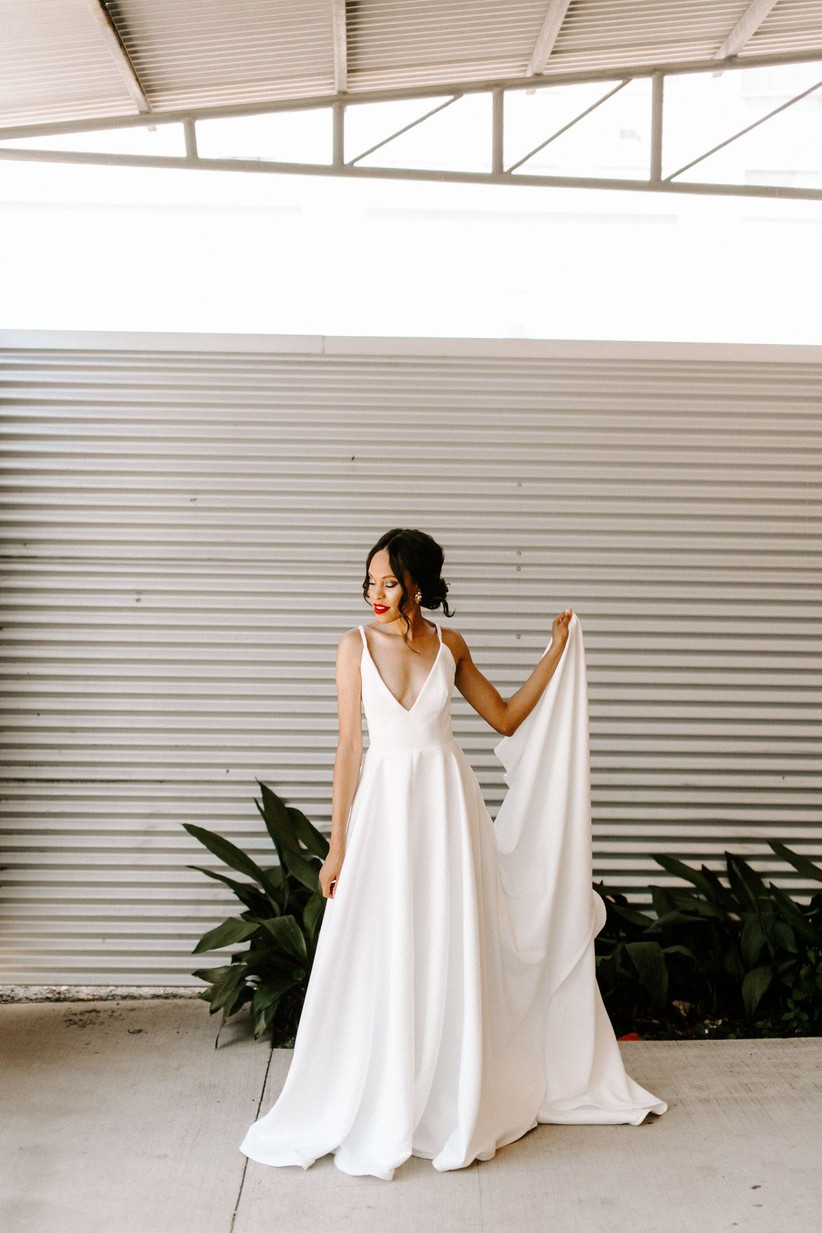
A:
(183, 540)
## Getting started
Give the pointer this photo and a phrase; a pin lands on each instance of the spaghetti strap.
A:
(439, 632)
(362, 635)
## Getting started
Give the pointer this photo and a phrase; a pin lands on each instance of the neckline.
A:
(373, 662)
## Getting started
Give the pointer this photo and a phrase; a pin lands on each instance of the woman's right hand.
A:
(561, 628)
(330, 872)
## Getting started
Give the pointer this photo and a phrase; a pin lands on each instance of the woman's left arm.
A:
(506, 717)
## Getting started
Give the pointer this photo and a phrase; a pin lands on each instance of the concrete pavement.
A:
(121, 1117)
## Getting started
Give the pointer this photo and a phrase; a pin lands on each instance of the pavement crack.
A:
(245, 1163)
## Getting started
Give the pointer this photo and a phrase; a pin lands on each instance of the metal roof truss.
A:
(499, 171)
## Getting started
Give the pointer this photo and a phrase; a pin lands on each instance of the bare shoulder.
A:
(349, 646)
(456, 645)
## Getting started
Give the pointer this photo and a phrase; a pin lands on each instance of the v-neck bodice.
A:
(392, 726)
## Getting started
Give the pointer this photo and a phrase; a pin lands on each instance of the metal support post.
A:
(657, 95)
(190, 133)
(497, 131)
(338, 140)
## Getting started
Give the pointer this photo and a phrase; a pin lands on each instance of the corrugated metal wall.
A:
(184, 526)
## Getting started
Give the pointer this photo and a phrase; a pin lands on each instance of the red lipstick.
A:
(380, 607)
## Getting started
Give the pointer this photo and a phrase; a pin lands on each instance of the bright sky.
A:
(124, 249)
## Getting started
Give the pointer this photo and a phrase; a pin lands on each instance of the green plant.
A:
(283, 909)
(632, 968)
(716, 953)
(737, 957)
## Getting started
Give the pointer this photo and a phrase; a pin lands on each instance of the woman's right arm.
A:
(349, 755)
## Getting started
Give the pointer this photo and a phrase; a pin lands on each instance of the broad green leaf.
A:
(746, 884)
(212, 974)
(663, 899)
(315, 841)
(225, 989)
(287, 934)
(649, 961)
(752, 940)
(313, 914)
(306, 871)
(800, 863)
(702, 879)
(788, 967)
(230, 931)
(268, 960)
(679, 950)
(720, 895)
(227, 852)
(792, 914)
(783, 936)
(274, 813)
(264, 1018)
(732, 964)
(287, 826)
(610, 896)
(271, 992)
(697, 919)
(253, 899)
(633, 916)
(235, 1001)
(754, 987)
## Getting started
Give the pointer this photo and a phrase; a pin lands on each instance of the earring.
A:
(418, 597)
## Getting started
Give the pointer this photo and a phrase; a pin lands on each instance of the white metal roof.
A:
(72, 60)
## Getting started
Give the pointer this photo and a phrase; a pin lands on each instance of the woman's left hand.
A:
(559, 629)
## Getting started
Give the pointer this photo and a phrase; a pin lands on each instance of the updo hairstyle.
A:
(418, 557)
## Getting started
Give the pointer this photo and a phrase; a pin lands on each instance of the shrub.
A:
(281, 921)
(737, 957)
(738, 953)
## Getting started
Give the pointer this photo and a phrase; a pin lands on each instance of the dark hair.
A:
(415, 555)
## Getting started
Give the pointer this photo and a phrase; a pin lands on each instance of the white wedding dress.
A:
(453, 1002)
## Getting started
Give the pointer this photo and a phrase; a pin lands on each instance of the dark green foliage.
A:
(738, 956)
(716, 957)
(281, 921)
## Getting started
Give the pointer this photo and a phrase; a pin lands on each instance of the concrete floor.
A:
(121, 1117)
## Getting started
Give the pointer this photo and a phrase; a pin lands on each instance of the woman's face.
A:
(384, 589)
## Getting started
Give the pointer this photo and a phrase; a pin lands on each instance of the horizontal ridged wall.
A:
(184, 522)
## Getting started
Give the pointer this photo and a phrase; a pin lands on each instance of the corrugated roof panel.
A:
(383, 33)
(599, 33)
(794, 25)
(54, 64)
(435, 41)
(198, 53)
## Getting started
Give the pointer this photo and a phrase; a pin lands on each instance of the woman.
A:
(453, 1003)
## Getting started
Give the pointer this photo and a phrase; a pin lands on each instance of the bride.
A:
(452, 1004)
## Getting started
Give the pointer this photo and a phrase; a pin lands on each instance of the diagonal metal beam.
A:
(340, 35)
(114, 43)
(746, 27)
(570, 124)
(551, 24)
(748, 128)
(352, 162)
